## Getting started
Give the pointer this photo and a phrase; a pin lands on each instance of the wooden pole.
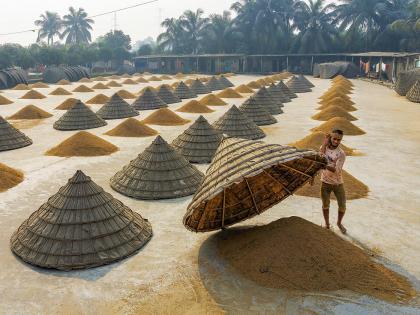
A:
(380, 69)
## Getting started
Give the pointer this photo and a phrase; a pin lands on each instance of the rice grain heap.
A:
(214, 85)
(165, 94)
(297, 86)
(148, 100)
(229, 93)
(82, 143)
(254, 85)
(298, 255)
(113, 84)
(244, 89)
(353, 187)
(225, 81)
(314, 142)
(246, 178)
(40, 85)
(183, 91)
(212, 100)
(79, 117)
(235, 124)
(85, 80)
(334, 94)
(21, 87)
(11, 138)
(165, 77)
(129, 82)
(154, 78)
(60, 91)
(100, 86)
(333, 111)
(30, 112)
(116, 108)
(198, 87)
(5, 100)
(80, 227)
(340, 123)
(67, 104)
(165, 117)
(83, 89)
(413, 94)
(277, 94)
(126, 95)
(159, 172)
(9, 177)
(286, 90)
(338, 101)
(98, 99)
(33, 95)
(263, 97)
(63, 82)
(131, 127)
(199, 142)
(100, 78)
(141, 80)
(259, 114)
(195, 106)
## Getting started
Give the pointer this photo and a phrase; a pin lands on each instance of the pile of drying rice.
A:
(21, 87)
(30, 112)
(63, 82)
(296, 254)
(195, 107)
(244, 89)
(40, 85)
(82, 89)
(333, 111)
(9, 177)
(33, 95)
(348, 128)
(4, 100)
(60, 91)
(126, 95)
(229, 93)
(131, 127)
(212, 100)
(83, 143)
(165, 117)
(98, 99)
(67, 104)
(100, 86)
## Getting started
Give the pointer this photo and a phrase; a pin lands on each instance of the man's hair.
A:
(339, 131)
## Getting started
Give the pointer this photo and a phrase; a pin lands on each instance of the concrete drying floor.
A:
(177, 271)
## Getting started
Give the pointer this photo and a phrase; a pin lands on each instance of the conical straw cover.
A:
(116, 108)
(183, 91)
(252, 109)
(11, 138)
(148, 100)
(79, 117)
(166, 95)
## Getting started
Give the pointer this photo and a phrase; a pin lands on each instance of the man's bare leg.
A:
(339, 224)
(326, 213)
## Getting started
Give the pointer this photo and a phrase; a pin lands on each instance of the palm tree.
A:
(316, 30)
(49, 25)
(408, 28)
(193, 24)
(172, 38)
(77, 26)
(362, 16)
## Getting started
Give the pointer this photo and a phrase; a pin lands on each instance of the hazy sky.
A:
(139, 22)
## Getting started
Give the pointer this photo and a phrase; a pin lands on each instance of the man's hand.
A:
(330, 168)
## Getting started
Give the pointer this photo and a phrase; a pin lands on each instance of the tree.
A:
(408, 27)
(172, 37)
(193, 24)
(50, 25)
(77, 26)
(145, 50)
(316, 30)
(117, 44)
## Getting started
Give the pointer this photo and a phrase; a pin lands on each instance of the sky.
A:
(139, 23)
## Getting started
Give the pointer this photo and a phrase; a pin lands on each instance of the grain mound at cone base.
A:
(194, 107)
(212, 100)
(63, 82)
(229, 93)
(132, 128)
(333, 111)
(83, 143)
(33, 95)
(9, 177)
(165, 117)
(82, 89)
(314, 142)
(126, 95)
(113, 84)
(98, 99)
(4, 100)
(40, 85)
(60, 91)
(21, 87)
(30, 112)
(100, 86)
(338, 101)
(353, 187)
(129, 81)
(296, 254)
(254, 85)
(67, 104)
(340, 123)
(244, 89)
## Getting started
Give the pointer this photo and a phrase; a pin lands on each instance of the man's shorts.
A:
(339, 193)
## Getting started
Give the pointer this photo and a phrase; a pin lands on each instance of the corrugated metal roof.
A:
(385, 54)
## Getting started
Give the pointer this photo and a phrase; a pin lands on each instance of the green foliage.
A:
(145, 50)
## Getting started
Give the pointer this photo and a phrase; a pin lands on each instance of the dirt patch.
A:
(194, 107)
(83, 143)
(165, 117)
(30, 112)
(353, 187)
(131, 127)
(296, 254)
(9, 177)
(348, 128)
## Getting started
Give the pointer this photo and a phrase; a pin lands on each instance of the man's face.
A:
(335, 139)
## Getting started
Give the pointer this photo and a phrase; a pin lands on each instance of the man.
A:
(331, 177)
